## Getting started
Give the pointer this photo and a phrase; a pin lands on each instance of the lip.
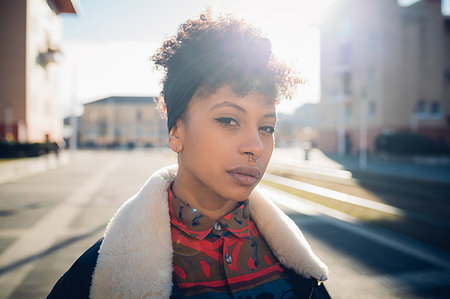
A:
(246, 176)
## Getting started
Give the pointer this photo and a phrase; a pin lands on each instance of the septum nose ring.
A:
(251, 159)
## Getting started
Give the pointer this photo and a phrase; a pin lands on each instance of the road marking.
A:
(333, 173)
(358, 201)
(334, 195)
(17, 259)
(349, 223)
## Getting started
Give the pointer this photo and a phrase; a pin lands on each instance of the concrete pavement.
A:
(364, 261)
(47, 220)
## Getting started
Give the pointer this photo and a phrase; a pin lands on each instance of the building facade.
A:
(31, 34)
(298, 128)
(383, 68)
(122, 122)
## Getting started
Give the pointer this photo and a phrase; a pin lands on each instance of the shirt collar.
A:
(198, 226)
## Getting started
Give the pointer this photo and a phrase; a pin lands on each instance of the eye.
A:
(267, 129)
(227, 121)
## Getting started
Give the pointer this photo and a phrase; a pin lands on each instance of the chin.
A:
(238, 193)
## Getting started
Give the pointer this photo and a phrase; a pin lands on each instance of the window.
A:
(446, 76)
(348, 112)
(102, 127)
(371, 77)
(93, 115)
(421, 110)
(345, 54)
(139, 115)
(117, 130)
(347, 83)
(436, 110)
(373, 42)
(372, 109)
(345, 29)
(335, 85)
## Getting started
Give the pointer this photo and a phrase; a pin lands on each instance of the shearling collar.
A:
(135, 258)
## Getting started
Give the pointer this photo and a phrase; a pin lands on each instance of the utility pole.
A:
(341, 125)
(9, 135)
(73, 120)
(363, 130)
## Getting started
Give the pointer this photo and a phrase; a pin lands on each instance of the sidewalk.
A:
(18, 168)
(375, 165)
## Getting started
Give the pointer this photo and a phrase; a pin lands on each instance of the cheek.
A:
(205, 143)
(268, 147)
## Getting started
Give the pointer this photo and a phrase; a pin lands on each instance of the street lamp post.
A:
(9, 135)
(73, 119)
(341, 125)
(363, 131)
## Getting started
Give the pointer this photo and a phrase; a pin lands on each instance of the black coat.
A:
(76, 282)
(139, 235)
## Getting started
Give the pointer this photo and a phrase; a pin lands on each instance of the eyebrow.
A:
(233, 105)
(229, 104)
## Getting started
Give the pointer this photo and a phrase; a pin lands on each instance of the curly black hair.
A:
(209, 53)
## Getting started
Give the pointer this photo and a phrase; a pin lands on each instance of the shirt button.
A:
(228, 258)
(217, 226)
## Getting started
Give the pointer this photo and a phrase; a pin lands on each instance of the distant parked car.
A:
(405, 143)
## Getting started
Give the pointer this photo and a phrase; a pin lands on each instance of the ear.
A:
(175, 137)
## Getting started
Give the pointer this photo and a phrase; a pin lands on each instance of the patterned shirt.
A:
(223, 258)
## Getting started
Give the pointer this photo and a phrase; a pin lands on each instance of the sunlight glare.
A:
(293, 28)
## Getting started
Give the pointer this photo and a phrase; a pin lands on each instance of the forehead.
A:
(226, 94)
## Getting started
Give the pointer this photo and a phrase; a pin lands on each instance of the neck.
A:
(203, 200)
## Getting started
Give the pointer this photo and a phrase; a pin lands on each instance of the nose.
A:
(252, 144)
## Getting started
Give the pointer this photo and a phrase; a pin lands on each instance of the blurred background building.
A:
(118, 122)
(384, 68)
(298, 128)
(31, 34)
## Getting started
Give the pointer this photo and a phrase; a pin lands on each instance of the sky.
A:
(107, 45)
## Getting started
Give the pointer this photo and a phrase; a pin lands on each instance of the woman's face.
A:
(218, 136)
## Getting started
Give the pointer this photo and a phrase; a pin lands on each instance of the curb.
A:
(16, 169)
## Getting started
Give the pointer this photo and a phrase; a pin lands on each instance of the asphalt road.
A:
(47, 220)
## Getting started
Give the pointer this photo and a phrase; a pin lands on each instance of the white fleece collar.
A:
(135, 258)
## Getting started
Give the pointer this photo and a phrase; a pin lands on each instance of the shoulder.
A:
(76, 282)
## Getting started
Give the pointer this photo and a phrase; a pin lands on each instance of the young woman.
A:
(199, 229)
